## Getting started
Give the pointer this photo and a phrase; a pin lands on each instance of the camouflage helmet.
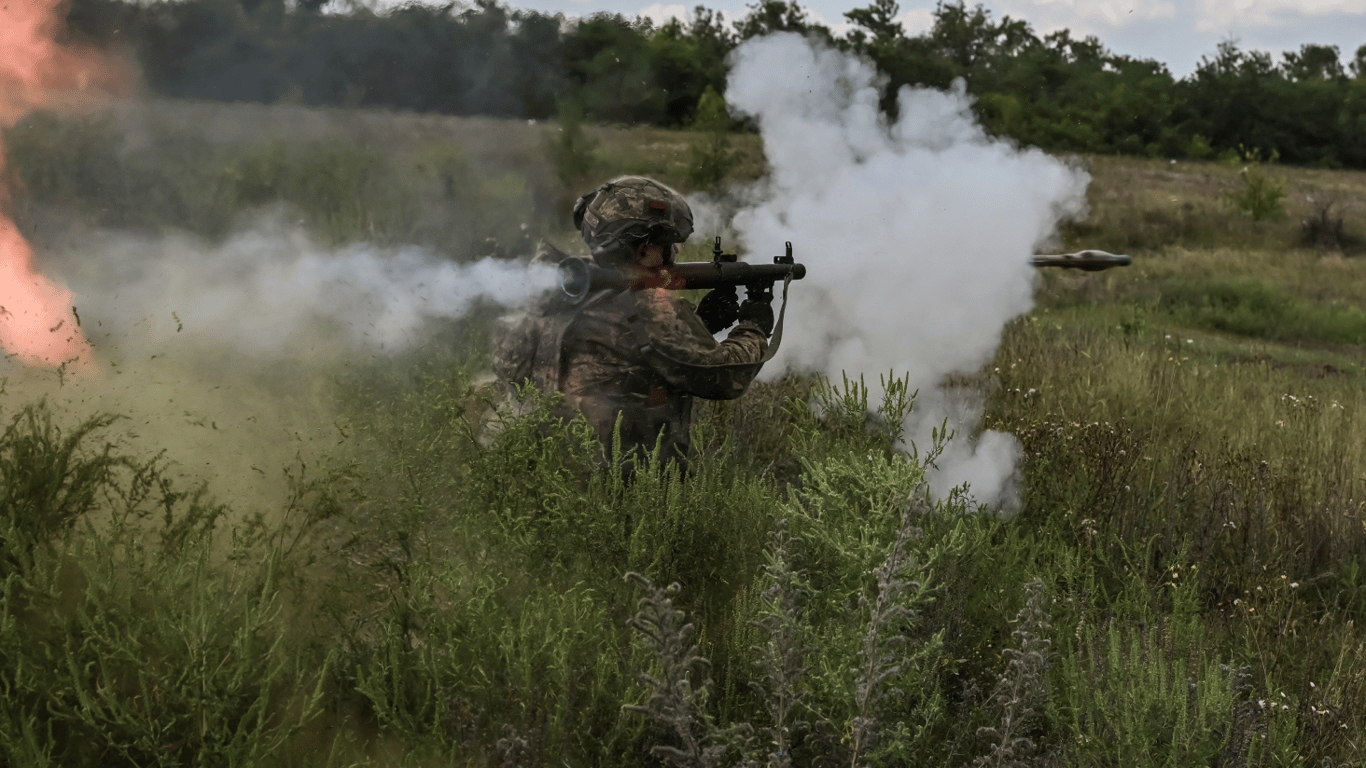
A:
(617, 216)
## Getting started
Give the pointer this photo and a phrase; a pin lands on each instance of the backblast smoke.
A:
(219, 354)
(917, 231)
(273, 291)
(36, 324)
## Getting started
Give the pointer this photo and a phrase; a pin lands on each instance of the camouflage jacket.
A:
(640, 356)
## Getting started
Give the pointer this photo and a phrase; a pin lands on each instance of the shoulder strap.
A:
(559, 318)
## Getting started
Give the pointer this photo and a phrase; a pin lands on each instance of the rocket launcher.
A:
(579, 278)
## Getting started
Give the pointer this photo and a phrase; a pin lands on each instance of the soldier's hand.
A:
(758, 312)
(719, 309)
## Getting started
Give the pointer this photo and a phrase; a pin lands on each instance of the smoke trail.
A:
(274, 291)
(220, 356)
(917, 233)
(36, 323)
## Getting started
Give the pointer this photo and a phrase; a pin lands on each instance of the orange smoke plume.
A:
(37, 321)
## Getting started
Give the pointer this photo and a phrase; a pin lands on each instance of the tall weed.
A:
(121, 653)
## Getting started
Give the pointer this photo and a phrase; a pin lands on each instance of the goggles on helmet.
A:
(625, 235)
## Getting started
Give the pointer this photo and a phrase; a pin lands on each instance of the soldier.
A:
(631, 361)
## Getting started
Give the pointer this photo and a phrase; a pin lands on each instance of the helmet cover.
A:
(619, 215)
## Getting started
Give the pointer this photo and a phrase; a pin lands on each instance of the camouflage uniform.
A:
(640, 356)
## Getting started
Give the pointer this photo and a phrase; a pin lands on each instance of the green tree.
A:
(688, 60)
(1358, 65)
(769, 16)
(607, 59)
(1313, 62)
(879, 19)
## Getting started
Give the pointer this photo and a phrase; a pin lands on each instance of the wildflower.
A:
(1294, 584)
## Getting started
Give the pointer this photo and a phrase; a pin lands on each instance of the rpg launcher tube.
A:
(578, 278)
(1091, 261)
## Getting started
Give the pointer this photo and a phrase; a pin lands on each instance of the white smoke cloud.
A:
(274, 290)
(916, 233)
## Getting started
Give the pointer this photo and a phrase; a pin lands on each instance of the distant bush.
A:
(1250, 307)
(1260, 196)
(1324, 229)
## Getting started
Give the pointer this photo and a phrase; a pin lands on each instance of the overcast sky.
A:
(1175, 32)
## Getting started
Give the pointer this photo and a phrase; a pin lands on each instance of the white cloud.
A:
(1220, 15)
(917, 21)
(839, 28)
(660, 13)
(1088, 16)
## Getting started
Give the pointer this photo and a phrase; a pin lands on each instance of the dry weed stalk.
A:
(674, 702)
(882, 655)
(783, 656)
(1019, 690)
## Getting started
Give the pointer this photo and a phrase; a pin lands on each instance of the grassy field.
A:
(403, 586)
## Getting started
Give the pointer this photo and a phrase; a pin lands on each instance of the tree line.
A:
(1053, 91)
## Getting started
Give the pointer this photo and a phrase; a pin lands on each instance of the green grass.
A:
(1181, 587)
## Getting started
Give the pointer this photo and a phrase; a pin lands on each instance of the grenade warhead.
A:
(1091, 261)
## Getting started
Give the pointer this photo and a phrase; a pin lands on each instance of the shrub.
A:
(570, 149)
(120, 653)
(51, 479)
(1261, 195)
(1323, 230)
(711, 156)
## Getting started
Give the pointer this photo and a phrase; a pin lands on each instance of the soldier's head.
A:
(631, 216)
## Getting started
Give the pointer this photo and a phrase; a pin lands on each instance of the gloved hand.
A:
(719, 309)
(759, 312)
